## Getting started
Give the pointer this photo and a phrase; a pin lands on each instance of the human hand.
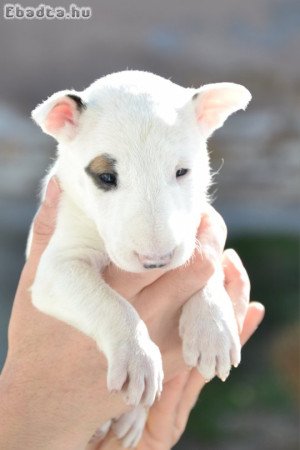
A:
(53, 385)
(168, 417)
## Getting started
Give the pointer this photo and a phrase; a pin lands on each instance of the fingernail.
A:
(240, 322)
(53, 190)
(261, 308)
(234, 257)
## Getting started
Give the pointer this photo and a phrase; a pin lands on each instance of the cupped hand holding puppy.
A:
(168, 417)
(53, 386)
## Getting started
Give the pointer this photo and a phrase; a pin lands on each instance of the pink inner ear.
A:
(212, 104)
(60, 115)
(217, 101)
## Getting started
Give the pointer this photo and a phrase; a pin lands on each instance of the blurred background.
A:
(256, 157)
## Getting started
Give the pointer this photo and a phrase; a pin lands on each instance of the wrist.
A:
(33, 416)
(20, 426)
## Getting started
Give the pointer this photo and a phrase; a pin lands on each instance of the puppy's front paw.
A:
(209, 333)
(135, 367)
(130, 426)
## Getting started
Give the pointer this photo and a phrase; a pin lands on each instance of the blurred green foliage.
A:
(272, 263)
(273, 266)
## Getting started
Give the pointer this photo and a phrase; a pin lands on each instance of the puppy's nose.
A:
(154, 261)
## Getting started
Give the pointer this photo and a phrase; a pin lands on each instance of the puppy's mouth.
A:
(139, 263)
(155, 261)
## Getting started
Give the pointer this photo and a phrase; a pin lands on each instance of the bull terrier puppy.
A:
(134, 169)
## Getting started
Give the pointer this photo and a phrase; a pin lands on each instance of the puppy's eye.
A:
(110, 179)
(181, 172)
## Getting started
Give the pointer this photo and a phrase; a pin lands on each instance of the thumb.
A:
(44, 221)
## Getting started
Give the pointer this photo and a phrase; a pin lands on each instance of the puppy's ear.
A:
(60, 114)
(215, 102)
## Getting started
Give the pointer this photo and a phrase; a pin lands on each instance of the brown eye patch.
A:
(102, 170)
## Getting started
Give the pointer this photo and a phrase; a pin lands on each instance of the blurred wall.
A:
(192, 43)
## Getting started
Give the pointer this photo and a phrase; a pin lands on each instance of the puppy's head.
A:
(132, 154)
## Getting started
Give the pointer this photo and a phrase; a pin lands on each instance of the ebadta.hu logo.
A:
(17, 11)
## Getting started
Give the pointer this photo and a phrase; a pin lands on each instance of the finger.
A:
(44, 221)
(212, 233)
(190, 393)
(254, 317)
(110, 442)
(237, 285)
(174, 288)
(129, 284)
(172, 393)
(180, 284)
(163, 414)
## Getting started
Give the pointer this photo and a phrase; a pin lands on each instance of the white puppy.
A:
(134, 169)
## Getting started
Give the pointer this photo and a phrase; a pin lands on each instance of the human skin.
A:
(53, 386)
(168, 417)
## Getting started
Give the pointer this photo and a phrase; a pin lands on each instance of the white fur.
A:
(152, 128)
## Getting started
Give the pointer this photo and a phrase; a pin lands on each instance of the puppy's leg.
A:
(68, 286)
(130, 426)
(209, 331)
